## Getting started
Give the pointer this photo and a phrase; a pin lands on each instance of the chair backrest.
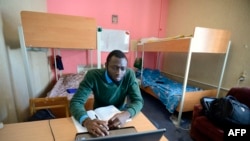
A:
(58, 105)
(242, 94)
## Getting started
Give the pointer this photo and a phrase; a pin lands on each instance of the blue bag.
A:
(229, 110)
(42, 114)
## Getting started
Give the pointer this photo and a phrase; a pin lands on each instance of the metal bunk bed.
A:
(205, 40)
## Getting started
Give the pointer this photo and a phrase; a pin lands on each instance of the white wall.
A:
(233, 15)
(7, 104)
(14, 99)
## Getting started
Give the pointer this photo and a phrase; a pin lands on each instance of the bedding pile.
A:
(66, 85)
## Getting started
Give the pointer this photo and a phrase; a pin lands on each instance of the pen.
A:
(96, 116)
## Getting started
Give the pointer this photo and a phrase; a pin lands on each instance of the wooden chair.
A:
(58, 105)
(89, 104)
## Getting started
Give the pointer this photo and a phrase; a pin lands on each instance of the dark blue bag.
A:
(42, 114)
(229, 110)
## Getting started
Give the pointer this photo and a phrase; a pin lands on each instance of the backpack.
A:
(229, 111)
(206, 102)
(42, 114)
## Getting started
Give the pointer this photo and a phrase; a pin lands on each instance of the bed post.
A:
(99, 30)
(223, 69)
(185, 83)
(27, 68)
(142, 64)
(158, 60)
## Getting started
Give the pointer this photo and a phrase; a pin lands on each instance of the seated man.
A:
(110, 86)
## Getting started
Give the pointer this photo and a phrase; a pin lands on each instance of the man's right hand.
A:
(96, 127)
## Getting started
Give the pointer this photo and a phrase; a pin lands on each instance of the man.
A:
(110, 86)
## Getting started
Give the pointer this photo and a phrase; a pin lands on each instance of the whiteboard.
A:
(111, 39)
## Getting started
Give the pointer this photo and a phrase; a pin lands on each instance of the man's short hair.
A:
(116, 53)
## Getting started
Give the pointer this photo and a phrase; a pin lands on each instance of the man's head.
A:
(116, 65)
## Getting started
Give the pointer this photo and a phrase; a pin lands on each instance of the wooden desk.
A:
(63, 129)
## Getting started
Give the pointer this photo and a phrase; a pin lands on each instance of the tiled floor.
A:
(160, 117)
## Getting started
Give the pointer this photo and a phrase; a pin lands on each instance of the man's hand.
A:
(118, 120)
(96, 127)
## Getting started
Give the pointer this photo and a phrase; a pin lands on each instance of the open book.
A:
(102, 113)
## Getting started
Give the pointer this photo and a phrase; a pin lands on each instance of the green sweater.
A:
(106, 93)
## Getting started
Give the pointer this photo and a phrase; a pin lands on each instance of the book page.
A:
(78, 126)
(92, 115)
(105, 113)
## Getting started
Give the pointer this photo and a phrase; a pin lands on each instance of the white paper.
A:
(103, 113)
(79, 127)
(114, 39)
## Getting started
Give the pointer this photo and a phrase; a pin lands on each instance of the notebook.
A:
(124, 134)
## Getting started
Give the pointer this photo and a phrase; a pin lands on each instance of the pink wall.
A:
(142, 18)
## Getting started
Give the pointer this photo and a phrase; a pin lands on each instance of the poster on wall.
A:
(111, 39)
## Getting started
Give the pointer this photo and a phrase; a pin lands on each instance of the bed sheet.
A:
(66, 85)
(167, 90)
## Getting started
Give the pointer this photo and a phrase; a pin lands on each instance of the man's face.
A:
(117, 68)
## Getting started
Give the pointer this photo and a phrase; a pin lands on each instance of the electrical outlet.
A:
(246, 46)
(243, 76)
(1, 125)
